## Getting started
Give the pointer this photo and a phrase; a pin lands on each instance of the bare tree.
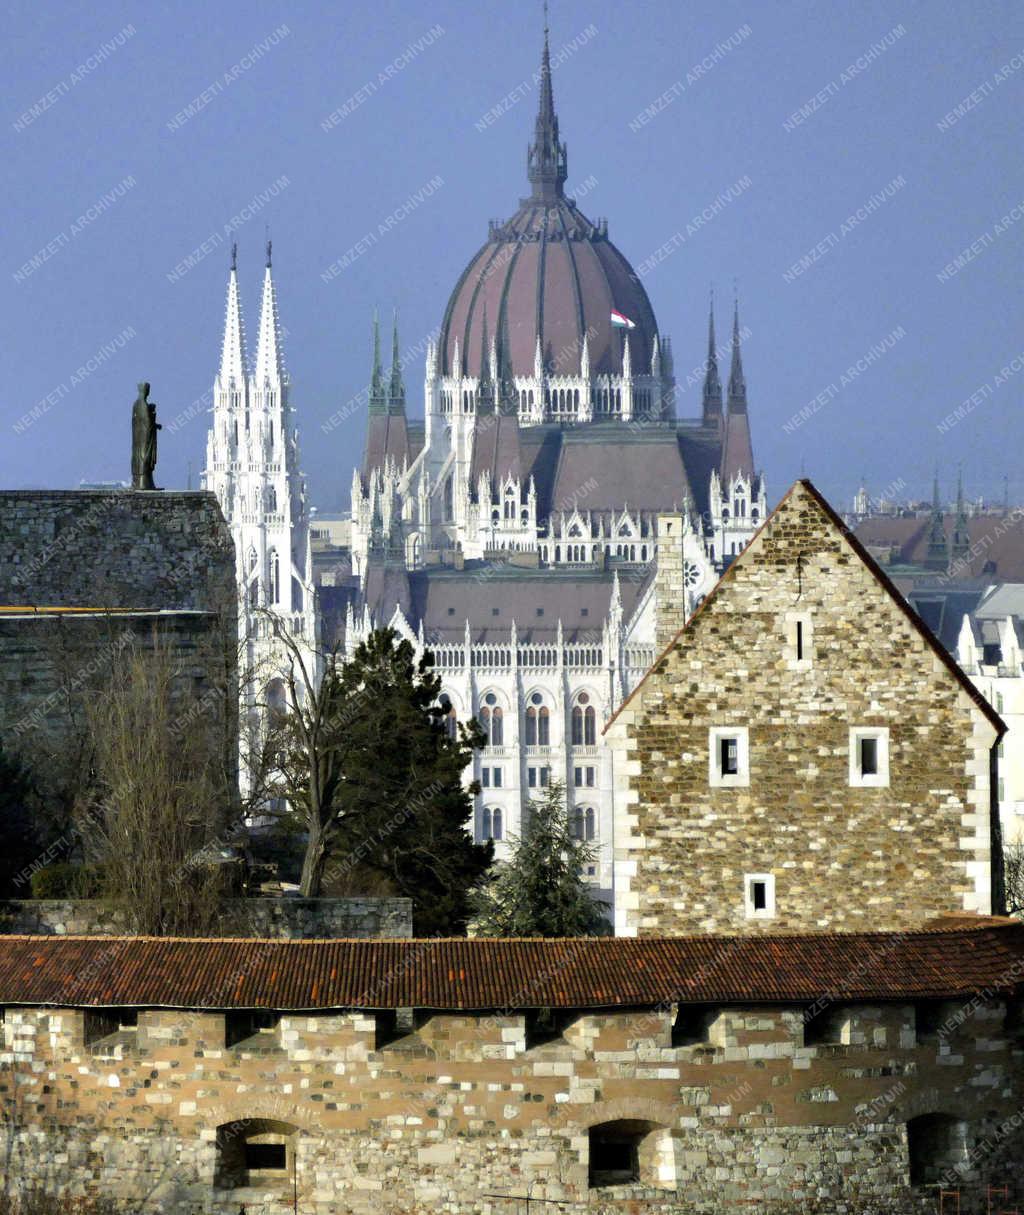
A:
(161, 794)
(1013, 878)
(301, 753)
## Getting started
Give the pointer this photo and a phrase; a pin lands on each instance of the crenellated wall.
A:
(745, 1116)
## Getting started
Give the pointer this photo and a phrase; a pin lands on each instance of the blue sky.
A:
(110, 189)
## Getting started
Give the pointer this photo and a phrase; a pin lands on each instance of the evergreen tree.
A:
(540, 890)
(23, 837)
(376, 780)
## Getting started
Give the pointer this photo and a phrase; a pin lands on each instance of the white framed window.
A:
(798, 650)
(759, 896)
(869, 757)
(728, 757)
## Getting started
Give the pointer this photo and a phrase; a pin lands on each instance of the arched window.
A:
(252, 558)
(449, 500)
(450, 721)
(629, 1152)
(492, 720)
(271, 499)
(584, 722)
(584, 823)
(490, 823)
(543, 726)
(531, 727)
(254, 1152)
(936, 1146)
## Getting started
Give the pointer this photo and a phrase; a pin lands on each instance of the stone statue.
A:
(144, 428)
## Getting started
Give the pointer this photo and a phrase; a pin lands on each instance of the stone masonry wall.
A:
(842, 857)
(115, 549)
(271, 919)
(128, 571)
(747, 1117)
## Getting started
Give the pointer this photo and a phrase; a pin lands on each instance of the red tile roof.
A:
(492, 974)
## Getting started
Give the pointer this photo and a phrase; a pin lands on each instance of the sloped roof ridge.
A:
(879, 575)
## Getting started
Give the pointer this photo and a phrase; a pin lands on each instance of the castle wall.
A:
(274, 919)
(747, 1117)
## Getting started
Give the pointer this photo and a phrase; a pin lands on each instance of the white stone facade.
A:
(252, 465)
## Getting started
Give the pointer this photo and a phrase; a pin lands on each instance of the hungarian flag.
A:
(622, 322)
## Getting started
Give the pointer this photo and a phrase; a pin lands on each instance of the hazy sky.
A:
(836, 126)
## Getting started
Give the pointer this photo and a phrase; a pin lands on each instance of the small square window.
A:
(869, 757)
(540, 611)
(759, 896)
(265, 1156)
(728, 758)
(584, 611)
(495, 611)
(451, 611)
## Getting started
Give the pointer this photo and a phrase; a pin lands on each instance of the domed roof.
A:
(549, 272)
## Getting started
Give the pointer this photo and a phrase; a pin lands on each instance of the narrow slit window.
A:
(799, 640)
(869, 756)
(729, 754)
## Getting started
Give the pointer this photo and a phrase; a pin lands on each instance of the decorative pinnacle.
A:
(547, 160)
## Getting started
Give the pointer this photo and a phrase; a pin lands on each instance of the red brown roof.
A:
(460, 974)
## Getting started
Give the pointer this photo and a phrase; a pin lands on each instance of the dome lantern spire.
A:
(547, 162)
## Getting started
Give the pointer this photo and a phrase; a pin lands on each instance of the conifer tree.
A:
(540, 891)
(375, 778)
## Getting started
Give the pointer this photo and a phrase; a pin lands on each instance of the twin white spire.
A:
(269, 364)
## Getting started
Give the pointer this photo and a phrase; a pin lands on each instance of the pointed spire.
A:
(961, 544)
(585, 356)
(712, 383)
(397, 398)
(737, 384)
(232, 359)
(937, 556)
(485, 393)
(269, 362)
(378, 402)
(546, 160)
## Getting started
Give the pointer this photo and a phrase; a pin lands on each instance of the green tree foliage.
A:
(540, 891)
(374, 778)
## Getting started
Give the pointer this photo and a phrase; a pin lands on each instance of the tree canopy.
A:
(540, 891)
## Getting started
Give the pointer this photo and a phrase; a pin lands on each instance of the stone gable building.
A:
(803, 755)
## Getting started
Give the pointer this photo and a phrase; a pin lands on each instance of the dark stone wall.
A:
(127, 571)
(115, 549)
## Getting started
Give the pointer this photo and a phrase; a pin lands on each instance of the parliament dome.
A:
(548, 273)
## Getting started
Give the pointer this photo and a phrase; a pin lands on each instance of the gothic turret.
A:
(937, 556)
(547, 160)
(387, 433)
(961, 542)
(232, 359)
(737, 453)
(712, 384)
(269, 361)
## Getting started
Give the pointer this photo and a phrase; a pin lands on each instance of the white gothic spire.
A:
(232, 359)
(269, 361)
